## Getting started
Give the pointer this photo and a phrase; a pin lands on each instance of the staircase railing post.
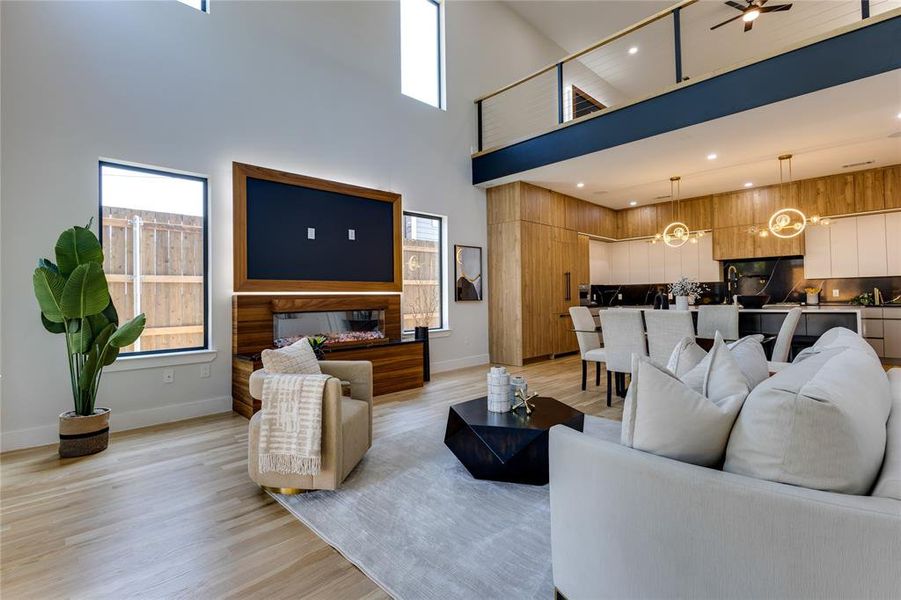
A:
(479, 124)
(677, 39)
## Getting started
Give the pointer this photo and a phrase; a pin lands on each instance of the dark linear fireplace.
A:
(340, 328)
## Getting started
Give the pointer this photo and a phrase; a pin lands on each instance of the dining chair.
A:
(782, 347)
(722, 318)
(623, 332)
(665, 329)
(589, 342)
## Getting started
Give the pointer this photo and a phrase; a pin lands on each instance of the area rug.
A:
(413, 519)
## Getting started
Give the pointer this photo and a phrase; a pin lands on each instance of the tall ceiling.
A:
(857, 124)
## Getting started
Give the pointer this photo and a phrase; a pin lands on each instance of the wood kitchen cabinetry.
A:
(534, 270)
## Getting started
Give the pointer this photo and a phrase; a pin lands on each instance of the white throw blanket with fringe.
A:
(291, 424)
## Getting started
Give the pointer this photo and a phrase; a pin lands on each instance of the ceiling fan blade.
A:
(725, 22)
(761, 2)
(748, 26)
(735, 5)
(776, 8)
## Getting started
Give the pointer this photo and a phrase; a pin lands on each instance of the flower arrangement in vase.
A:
(813, 295)
(684, 289)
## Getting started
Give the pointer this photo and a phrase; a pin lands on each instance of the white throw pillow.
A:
(663, 415)
(819, 423)
(685, 357)
(837, 337)
(751, 359)
(889, 483)
(298, 358)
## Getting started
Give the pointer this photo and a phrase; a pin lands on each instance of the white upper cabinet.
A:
(599, 262)
(639, 261)
(893, 243)
(690, 260)
(672, 263)
(817, 260)
(843, 247)
(871, 255)
(708, 269)
(657, 262)
(619, 262)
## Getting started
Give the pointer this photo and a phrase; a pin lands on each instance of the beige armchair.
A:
(346, 429)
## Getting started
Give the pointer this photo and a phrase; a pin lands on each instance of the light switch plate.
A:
(204, 371)
(835, 293)
(168, 375)
(311, 233)
(351, 234)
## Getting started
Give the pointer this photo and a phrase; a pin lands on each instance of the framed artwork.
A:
(467, 273)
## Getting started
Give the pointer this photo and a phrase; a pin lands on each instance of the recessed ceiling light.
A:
(633, 50)
(633, 203)
(898, 115)
(748, 184)
(711, 156)
(580, 185)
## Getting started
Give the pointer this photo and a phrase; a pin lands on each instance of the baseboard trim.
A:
(459, 363)
(49, 434)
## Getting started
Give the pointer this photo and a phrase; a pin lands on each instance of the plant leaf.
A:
(48, 289)
(128, 332)
(81, 339)
(51, 326)
(107, 352)
(86, 292)
(46, 263)
(110, 313)
(77, 246)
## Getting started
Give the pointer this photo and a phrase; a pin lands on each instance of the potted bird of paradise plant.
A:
(74, 299)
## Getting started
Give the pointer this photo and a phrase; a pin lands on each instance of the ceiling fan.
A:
(749, 13)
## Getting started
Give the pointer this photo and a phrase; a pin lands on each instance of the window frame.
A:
(155, 170)
(442, 260)
(439, 40)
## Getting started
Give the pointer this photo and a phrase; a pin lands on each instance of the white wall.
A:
(308, 87)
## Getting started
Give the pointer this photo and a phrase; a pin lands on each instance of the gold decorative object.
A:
(522, 401)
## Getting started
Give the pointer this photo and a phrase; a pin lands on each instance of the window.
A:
(201, 5)
(421, 55)
(153, 228)
(424, 299)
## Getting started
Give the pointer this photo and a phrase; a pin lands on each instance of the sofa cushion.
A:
(819, 423)
(298, 358)
(685, 357)
(751, 359)
(888, 485)
(666, 416)
(837, 337)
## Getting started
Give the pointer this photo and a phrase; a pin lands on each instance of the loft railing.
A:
(651, 57)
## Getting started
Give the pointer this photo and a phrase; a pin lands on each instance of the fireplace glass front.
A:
(338, 327)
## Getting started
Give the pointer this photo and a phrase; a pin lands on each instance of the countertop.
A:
(768, 308)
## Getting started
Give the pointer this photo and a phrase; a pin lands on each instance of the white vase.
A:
(813, 299)
(681, 302)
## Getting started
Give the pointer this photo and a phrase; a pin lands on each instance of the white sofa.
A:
(628, 524)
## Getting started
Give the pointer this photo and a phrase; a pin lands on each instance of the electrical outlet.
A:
(835, 293)
(204, 371)
(619, 296)
(351, 234)
(311, 233)
(168, 375)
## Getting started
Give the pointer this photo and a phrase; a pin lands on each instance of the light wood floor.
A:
(169, 511)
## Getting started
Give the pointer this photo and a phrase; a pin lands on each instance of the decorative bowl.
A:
(756, 301)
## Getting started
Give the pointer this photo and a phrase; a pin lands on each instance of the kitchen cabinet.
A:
(891, 186)
(690, 260)
(843, 247)
(708, 268)
(732, 242)
(672, 263)
(869, 190)
(892, 337)
(599, 262)
(638, 261)
(583, 258)
(871, 247)
(619, 263)
(657, 255)
(817, 257)
(539, 205)
(893, 243)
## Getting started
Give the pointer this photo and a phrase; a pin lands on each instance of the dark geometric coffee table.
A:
(507, 446)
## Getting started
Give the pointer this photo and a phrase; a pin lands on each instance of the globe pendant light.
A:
(676, 233)
(786, 222)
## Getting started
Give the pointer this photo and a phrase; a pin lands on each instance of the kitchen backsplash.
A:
(781, 278)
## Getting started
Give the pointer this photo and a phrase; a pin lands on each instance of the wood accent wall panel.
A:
(252, 315)
(732, 242)
(539, 205)
(583, 271)
(503, 203)
(505, 316)
(869, 190)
